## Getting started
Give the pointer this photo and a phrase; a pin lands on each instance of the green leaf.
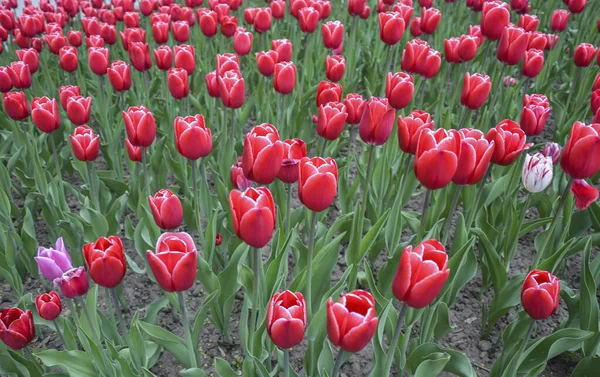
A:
(587, 367)
(76, 363)
(493, 262)
(223, 368)
(192, 372)
(431, 355)
(174, 344)
(201, 317)
(588, 303)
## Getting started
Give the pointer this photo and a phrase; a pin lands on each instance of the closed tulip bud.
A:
(430, 65)
(283, 48)
(119, 74)
(262, 20)
(105, 261)
(512, 45)
(391, 27)
(20, 75)
(78, 109)
(68, 58)
(147, 6)
(207, 19)
(266, 61)
(98, 60)
(160, 32)
(585, 194)
(508, 81)
(85, 143)
(335, 66)
(352, 321)
(575, 6)
(177, 81)
(536, 40)
(533, 119)
(249, 15)
(45, 114)
(262, 154)
(308, 18)
(131, 35)
(415, 27)
(510, 142)
(140, 126)
(317, 182)
(467, 48)
(212, 84)
(410, 129)
(53, 262)
(277, 9)
(232, 89)
(399, 89)
(17, 329)
(528, 22)
(293, 151)
(540, 294)
(229, 25)
(131, 19)
(174, 263)
(286, 319)
(192, 138)
(15, 105)
(584, 54)
(377, 121)
(495, 17)
(552, 150)
(66, 92)
(48, 306)
(134, 153)
(331, 120)
(30, 57)
(581, 154)
(94, 41)
(253, 215)
(163, 58)
(108, 34)
(5, 80)
(90, 25)
(227, 62)
(242, 42)
(356, 7)
(139, 54)
(181, 31)
(73, 283)
(166, 209)
(475, 91)
(436, 159)
(421, 274)
(75, 38)
(595, 101)
(537, 172)
(533, 62)
(559, 20)
(474, 158)
(430, 19)
(413, 55)
(284, 79)
(355, 106)
(451, 50)
(238, 179)
(333, 34)
(328, 92)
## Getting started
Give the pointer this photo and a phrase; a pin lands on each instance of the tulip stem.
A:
(394, 344)
(515, 242)
(309, 258)
(30, 356)
(288, 209)
(197, 199)
(522, 348)
(446, 231)
(60, 335)
(88, 317)
(424, 215)
(286, 362)
(146, 180)
(187, 329)
(255, 302)
(233, 130)
(117, 309)
(475, 209)
(542, 251)
(55, 154)
(339, 360)
(93, 191)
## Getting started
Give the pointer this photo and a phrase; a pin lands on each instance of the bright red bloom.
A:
(575, 6)
(262, 20)
(15, 105)
(399, 89)
(414, 55)
(495, 17)
(317, 182)
(242, 42)
(391, 27)
(415, 27)
(277, 9)
(308, 18)
(69, 58)
(48, 305)
(528, 22)
(73, 283)
(134, 153)
(192, 138)
(78, 109)
(293, 151)
(421, 274)
(45, 114)
(335, 66)
(533, 118)
(512, 45)
(174, 263)
(227, 62)
(559, 20)
(584, 54)
(283, 48)
(66, 92)
(266, 61)
(540, 294)
(85, 144)
(119, 74)
(16, 327)
(20, 75)
(352, 321)
(328, 92)
(475, 155)
(105, 261)
(94, 41)
(140, 126)
(166, 209)
(581, 155)
(585, 194)
(436, 159)
(160, 32)
(229, 25)
(357, 7)
(75, 38)
(207, 19)
(430, 19)
(139, 54)
(5, 80)
(410, 129)
(98, 60)
(286, 319)
(253, 215)
(333, 34)
(262, 154)
(475, 91)
(30, 57)
(163, 57)
(131, 35)
(181, 31)
(533, 62)
(212, 84)
(177, 81)
(510, 142)
(377, 121)
(284, 79)
(232, 89)
(331, 120)
(355, 106)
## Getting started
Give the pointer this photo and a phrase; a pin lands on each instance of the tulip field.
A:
(317, 188)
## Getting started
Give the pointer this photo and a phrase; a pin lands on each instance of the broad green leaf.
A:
(76, 363)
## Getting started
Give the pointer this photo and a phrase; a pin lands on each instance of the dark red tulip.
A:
(475, 91)
(585, 194)
(580, 158)
(212, 84)
(242, 42)
(66, 92)
(357, 7)
(533, 62)
(119, 74)
(238, 179)
(317, 182)
(352, 321)
(94, 41)
(177, 81)
(20, 75)
(559, 20)
(293, 151)
(105, 261)
(328, 92)
(510, 142)
(536, 40)
(584, 54)
(139, 55)
(174, 263)
(166, 209)
(414, 55)
(436, 159)
(262, 20)
(28, 25)
(399, 89)
(69, 59)
(45, 114)
(78, 109)
(16, 327)
(421, 274)
(333, 34)
(331, 120)
(85, 144)
(147, 6)
(426, 3)
(286, 319)
(266, 61)
(192, 138)
(30, 57)
(134, 153)
(415, 27)
(253, 215)
(540, 294)
(533, 119)
(185, 57)
(284, 79)
(377, 121)
(575, 6)
(229, 25)
(355, 106)
(227, 62)
(283, 48)
(277, 9)
(207, 19)
(335, 66)
(90, 26)
(109, 34)
(495, 17)
(131, 19)
(474, 159)
(73, 283)
(98, 60)
(528, 22)
(308, 18)
(163, 57)
(232, 89)
(181, 31)
(512, 45)
(410, 129)
(262, 154)
(430, 19)
(391, 27)
(48, 306)
(406, 10)
(160, 32)
(140, 126)
(15, 105)
(5, 79)
(520, 6)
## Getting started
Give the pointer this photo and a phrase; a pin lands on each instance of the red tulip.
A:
(414, 55)
(212, 84)
(163, 57)
(510, 142)
(575, 6)
(192, 138)
(140, 126)
(131, 19)
(595, 101)
(207, 19)
(68, 58)
(15, 105)
(108, 33)
(20, 75)
(410, 129)
(283, 48)
(262, 20)
(131, 35)
(533, 62)
(584, 54)
(94, 41)
(317, 182)
(242, 42)
(66, 92)
(512, 45)
(331, 120)
(181, 31)
(262, 154)
(458, 50)
(48, 305)
(253, 215)
(119, 74)
(238, 179)
(249, 15)
(391, 27)
(581, 155)
(536, 99)
(166, 209)
(139, 54)
(437, 156)
(105, 261)
(495, 17)
(357, 7)
(85, 144)
(333, 34)
(451, 50)
(78, 109)
(277, 9)
(585, 194)
(352, 321)
(475, 91)
(286, 319)
(45, 114)
(147, 6)
(520, 6)
(559, 20)
(540, 294)
(328, 92)
(90, 25)
(174, 263)
(335, 66)
(430, 65)
(430, 19)
(421, 274)
(475, 31)
(399, 89)
(415, 27)
(5, 79)
(284, 79)
(98, 60)
(177, 81)
(308, 18)
(160, 32)
(266, 62)
(134, 153)
(30, 57)
(293, 151)
(528, 22)
(227, 62)
(474, 159)
(229, 25)
(406, 10)
(75, 38)
(73, 283)
(355, 106)
(232, 89)
(377, 121)
(16, 327)
(533, 119)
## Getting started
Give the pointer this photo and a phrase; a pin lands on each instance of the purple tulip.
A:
(52, 263)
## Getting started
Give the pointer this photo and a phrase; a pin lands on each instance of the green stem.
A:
(288, 209)
(255, 296)
(117, 308)
(30, 356)
(515, 242)
(339, 360)
(424, 215)
(394, 344)
(55, 154)
(144, 165)
(309, 258)
(60, 335)
(286, 362)
(188, 332)
(93, 192)
(197, 199)
(448, 221)
(473, 214)
(233, 130)
(89, 318)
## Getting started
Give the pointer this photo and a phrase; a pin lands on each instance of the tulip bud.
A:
(160, 32)
(308, 18)
(15, 105)
(163, 58)
(581, 155)
(328, 92)
(5, 80)
(352, 321)
(20, 75)
(277, 9)
(232, 89)
(53, 262)
(495, 17)
(242, 42)
(333, 34)
(66, 92)
(317, 182)
(166, 209)
(533, 62)
(399, 89)
(510, 142)
(335, 66)
(119, 74)
(559, 20)
(584, 54)
(181, 31)
(552, 150)
(75, 38)
(78, 109)
(17, 329)
(30, 57)
(73, 283)
(415, 27)
(105, 261)
(238, 179)
(474, 159)
(286, 319)
(229, 25)
(253, 215)
(68, 58)
(475, 91)
(174, 263)
(533, 119)
(134, 153)
(185, 58)
(537, 172)
(412, 55)
(284, 79)
(575, 6)
(540, 294)
(266, 62)
(94, 41)
(283, 48)
(192, 138)
(512, 45)
(227, 62)
(48, 306)
(177, 81)
(262, 154)
(212, 84)
(585, 194)
(262, 20)
(331, 120)
(140, 126)
(85, 144)
(410, 128)
(45, 114)
(293, 151)
(436, 159)
(377, 121)
(355, 106)
(528, 22)
(391, 27)
(430, 19)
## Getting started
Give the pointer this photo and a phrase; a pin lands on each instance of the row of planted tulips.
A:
(303, 168)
